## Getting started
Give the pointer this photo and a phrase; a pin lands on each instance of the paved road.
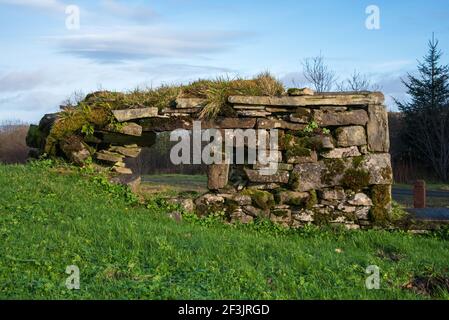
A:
(440, 214)
(407, 192)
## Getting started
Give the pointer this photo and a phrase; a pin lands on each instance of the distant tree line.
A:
(13, 148)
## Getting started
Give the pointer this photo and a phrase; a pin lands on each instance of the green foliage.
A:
(88, 129)
(116, 190)
(313, 128)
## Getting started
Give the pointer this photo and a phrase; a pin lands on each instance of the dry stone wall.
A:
(333, 164)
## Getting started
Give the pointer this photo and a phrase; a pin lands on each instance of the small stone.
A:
(279, 166)
(362, 213)
(242, 200)
(293, 197)
(266, 186)
(252, 211)
(229, 123)
(299, 119)
(256, 176)
(377, 128)
(131, 114)
(339, 153)
(364, 149)
(333, 109)
(122, 170)
(186, 204)
(179, 112)
(346, 209)
(208, 200)
(352, 226)
(253, 113)
(177, 216)
(120, 164)
(303, 216)
(246, 219)
(379, 167)
(218, 175)
(306, 159)
(130, 129)
(332, 194)
(327, 142)
(279, 124)
(187, 103)
(360, 199)
(351, 136)
(300, 92)
(132, 181)
(346, 118)
(126, 151)
(307, 176)
(75, 150)
(243, 107)
(109, 156)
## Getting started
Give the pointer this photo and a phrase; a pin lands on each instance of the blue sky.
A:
(121, 45)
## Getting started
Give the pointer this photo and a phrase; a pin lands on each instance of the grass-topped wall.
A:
(333, 165)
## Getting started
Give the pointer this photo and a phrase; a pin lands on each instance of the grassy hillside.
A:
(51, 218)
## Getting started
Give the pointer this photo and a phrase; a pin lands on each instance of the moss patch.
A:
(312, 200)
(355, 179)
(261, 199)
(334, 167)
(380, 211)
(294, 180)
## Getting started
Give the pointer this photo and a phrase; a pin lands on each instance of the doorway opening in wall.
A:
(160, 175)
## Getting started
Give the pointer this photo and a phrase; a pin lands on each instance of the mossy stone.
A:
(312, 200)
(261, 199)
(334, 167)
(355, 179)
(380, 211)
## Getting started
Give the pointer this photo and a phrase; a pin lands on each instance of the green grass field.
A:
(51, 218)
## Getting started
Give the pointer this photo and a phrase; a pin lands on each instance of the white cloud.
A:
(53, 5)
(120, 44)
(136, 12)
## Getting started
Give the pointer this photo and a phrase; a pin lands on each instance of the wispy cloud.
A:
(15, 81)
(136, 12)
(112, 45)
(52, 5)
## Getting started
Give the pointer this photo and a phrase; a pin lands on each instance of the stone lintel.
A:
(329, 99)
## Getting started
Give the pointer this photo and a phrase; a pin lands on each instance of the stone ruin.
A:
(333, 161)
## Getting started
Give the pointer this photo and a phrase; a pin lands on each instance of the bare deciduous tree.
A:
(358, 82)
(319, 74)
(74, 98)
